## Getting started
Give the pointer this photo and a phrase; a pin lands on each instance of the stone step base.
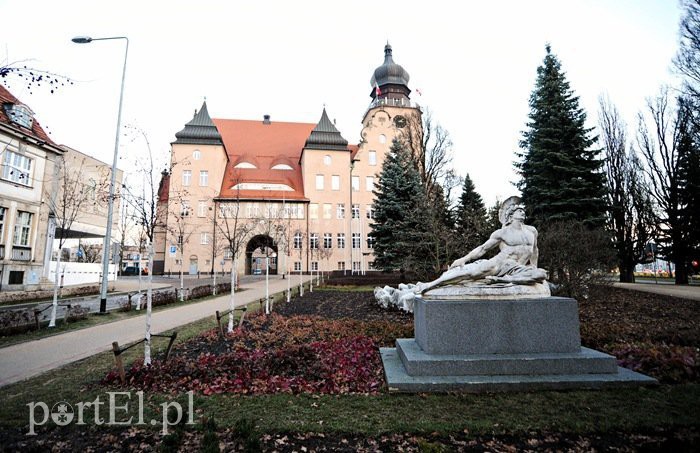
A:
(399, 380)
(586, 361)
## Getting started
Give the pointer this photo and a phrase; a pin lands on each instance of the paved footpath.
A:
(28, 359)
(683, 291)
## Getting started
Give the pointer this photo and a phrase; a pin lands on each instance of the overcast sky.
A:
(474, 63)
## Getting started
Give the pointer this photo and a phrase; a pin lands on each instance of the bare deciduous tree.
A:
(630, 210)
(662, 140)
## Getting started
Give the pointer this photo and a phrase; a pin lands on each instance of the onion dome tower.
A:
(390, 81)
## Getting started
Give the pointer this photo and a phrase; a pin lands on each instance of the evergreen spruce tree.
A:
(561, 177)
(399, 195)
(493, 223)
(470, 219)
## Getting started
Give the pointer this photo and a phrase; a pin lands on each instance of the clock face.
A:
(400, 121)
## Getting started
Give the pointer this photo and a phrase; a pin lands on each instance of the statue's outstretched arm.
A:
(478, 252)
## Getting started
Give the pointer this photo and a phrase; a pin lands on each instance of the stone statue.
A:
(516, 261)
(511, 274)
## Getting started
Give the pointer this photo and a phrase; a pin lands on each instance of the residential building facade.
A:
(292, 197)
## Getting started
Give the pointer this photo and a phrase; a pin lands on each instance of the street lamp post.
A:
(110, 202)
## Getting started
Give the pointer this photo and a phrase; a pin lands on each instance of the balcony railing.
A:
(390, 102)
(20, 253)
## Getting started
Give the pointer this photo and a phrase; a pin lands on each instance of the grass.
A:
(581, 411)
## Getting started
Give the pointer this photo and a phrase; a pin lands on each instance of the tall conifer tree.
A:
(470, 218)
(561, 172)
(397, 226)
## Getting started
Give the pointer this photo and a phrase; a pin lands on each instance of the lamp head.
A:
(82, 39)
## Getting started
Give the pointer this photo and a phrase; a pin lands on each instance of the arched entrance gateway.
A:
(258, 249)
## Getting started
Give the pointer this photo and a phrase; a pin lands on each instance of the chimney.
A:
(266, 119)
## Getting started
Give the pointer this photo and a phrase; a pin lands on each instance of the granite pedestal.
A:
(499, 345)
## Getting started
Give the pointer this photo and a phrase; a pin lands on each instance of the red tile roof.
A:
(8, 98)
(263, 145)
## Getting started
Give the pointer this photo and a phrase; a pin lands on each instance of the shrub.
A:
(670, 364)
(16, 321)
(76, 312)
(576, 257)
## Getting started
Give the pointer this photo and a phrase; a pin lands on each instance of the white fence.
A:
(81, 273)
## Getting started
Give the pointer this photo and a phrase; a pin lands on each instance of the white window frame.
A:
(335, 182)
(203, 178)
(314, 265)
(355, 183)
(341, 240)
(372, 157)
(204, 238)
(297, 266)
(184, 208)
(17, 168)
(327, 211)
(313, 211)
(298, 240)
(186, 177)
(3, 215)
(196, 154)
(23, 229)
(370, 211)
(340, 211)
(369, 183)
(341, 265)
(356, 240)
(355, 211)
(313, 241)
(319, 182)
(202, 209)
(327, 240)
(371, 240)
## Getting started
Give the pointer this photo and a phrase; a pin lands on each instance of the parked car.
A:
(133, 270)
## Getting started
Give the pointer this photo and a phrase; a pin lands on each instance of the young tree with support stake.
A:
(72, 197)
(235, 231)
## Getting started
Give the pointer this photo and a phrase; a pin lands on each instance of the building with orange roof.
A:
(243, 193)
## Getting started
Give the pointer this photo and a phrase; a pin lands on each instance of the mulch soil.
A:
(610, 319)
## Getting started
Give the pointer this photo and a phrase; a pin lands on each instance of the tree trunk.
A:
(626, 273)
(52, 322)
(149, 306)
(232, 304)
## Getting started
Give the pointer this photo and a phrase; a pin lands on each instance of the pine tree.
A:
(561, 173)
(470, 218)
(397, 228)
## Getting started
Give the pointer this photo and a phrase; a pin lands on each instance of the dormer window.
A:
(245, 165)
(282, 167)
(20, 115)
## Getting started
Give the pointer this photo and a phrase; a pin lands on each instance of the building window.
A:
(369, 183)
(313, 241)
(16, 278)
(327, 240)
(319, 182)
(356, 240)
(372, 157)
(184, 208)
(228, 254)
(204, 238)
(356, 266)
(340, 211)
(341, 240)
(3, 211)
(370, 242)
(186, 177)
(341, 265)
(327, 160)
(382, 138)
(202, 209)
(335, 182)
(313, 211)
(196, 154)
(327, 209)
(356, 211)
(19, 114)
(203, 178)
(355, 183)
(16, 168)
(314, 265)
(297, 240)
(23, 226)
(297, 266)
(370, 211)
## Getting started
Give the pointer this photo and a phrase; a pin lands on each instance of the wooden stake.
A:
(118, 360)
(170, 346)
